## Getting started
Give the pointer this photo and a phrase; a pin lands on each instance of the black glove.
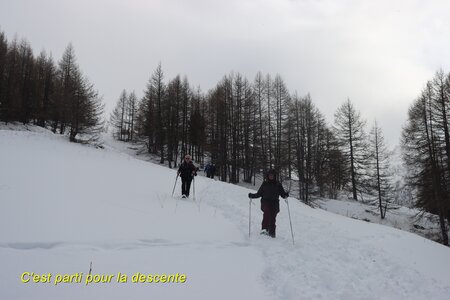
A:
(195, 174)
(286, 195)
(250, 195)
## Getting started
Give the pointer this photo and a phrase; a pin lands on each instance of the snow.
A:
(63, 206)
(399, 217)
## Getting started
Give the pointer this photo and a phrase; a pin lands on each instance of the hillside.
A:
(65, 206)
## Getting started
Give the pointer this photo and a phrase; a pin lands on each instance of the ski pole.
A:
(173, 191)
(289, 212)
(290, 222)
(249, 216)
(193, 182)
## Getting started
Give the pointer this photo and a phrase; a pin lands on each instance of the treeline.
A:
(426, 149)
(36, 90)
(246, 128)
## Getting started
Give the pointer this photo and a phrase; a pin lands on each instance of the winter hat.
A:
(273, 172)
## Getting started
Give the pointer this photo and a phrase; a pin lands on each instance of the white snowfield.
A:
(63, 206)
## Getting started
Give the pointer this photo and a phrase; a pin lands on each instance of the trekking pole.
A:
(249, 216)
(290, 222)
(193, 182)
(173, 191)
(289, 212)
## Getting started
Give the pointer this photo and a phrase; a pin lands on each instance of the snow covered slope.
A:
(63, 206)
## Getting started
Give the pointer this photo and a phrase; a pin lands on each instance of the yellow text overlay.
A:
(89, 279)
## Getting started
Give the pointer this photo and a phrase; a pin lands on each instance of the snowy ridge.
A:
(65, 205)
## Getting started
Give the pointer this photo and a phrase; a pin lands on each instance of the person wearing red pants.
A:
(269, 192)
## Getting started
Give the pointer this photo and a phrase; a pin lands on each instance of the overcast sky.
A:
(377, 53)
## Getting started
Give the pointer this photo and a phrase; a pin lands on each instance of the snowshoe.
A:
(183, 196)
(264, 232)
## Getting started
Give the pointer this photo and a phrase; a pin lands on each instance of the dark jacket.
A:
(269, 192)
(187, 170)
(210, 169)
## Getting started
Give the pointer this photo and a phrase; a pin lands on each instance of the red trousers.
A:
(269, 218)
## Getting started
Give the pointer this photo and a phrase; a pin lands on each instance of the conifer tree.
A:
(349, 127)
(379, 181)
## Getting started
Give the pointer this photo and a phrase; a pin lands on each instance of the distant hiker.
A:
(187, 171)
(210, 169)
(207, 169)
(269, 192)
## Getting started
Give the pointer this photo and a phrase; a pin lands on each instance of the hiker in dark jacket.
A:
(210, 169)
(186, 171)
(269, 192)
